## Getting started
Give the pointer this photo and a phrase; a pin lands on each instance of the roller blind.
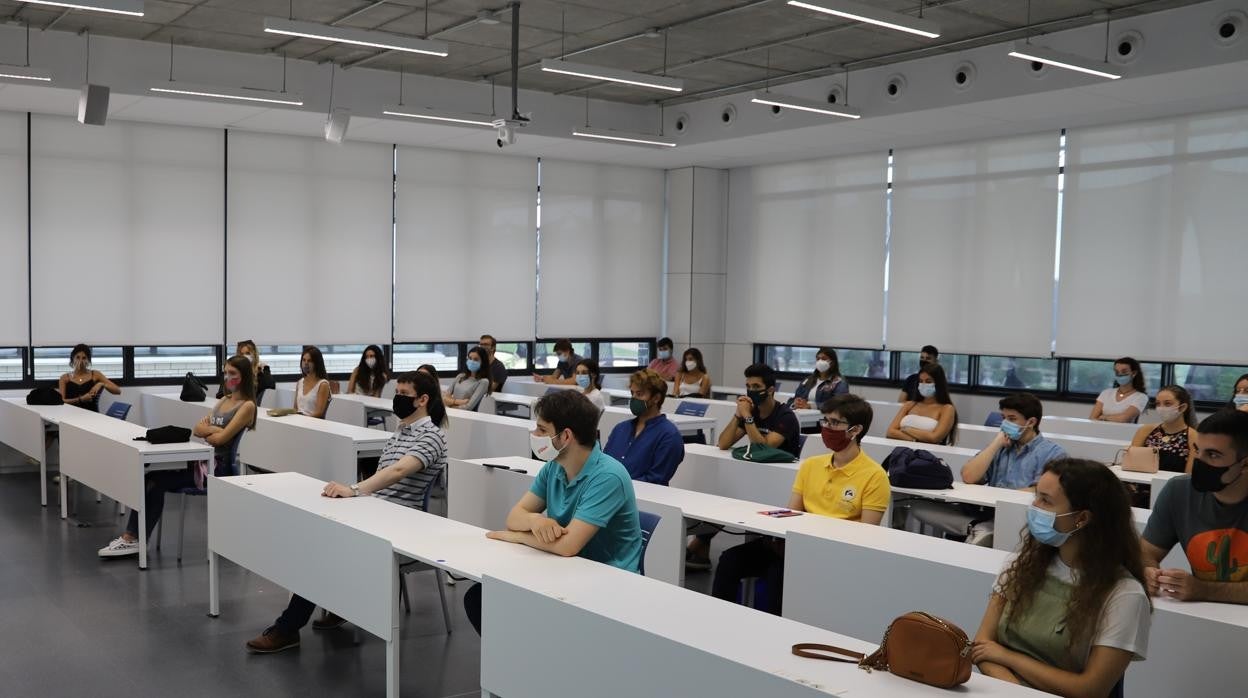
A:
(806, 252)
(13, 253)
(127, 231)
(310, 240)
(602, 250)
(1154, 242)
(973, 233)
(467, 245)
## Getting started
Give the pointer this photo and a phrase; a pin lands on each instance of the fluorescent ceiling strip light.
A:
(243, 94)
(18, 72)
(624, 77)
(134, 8)
(872, 15)
(809, 105)
(357, 37)
(622, 136)
(1057, 59)
(448, 117)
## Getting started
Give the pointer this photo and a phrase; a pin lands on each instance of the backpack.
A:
(193, 389)
(46, 395)
(917, 469)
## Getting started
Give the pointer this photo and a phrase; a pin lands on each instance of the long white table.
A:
(1103, 450)
(611, 416)
(101, 453)
(469, 434)
(318, 448)
(23, 428)
(1078, 426)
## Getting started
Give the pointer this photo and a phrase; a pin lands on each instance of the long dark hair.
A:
(595, 376)
(1137, 381)
(834, 370)
(317, 359)
(1185, 398)
(428, 368)
(246, 382)
(80, 349)
(483, 371)
(696, 354)
(1230, 404)
(426, 384)
(936, 372)
(374, 379)
(1108, 545)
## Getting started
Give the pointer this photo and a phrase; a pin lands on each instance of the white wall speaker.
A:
(93, 105)
(336, 125)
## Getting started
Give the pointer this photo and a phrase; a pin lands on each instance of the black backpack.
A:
(47, 395)
(917, 469)
(169, 434)
(193, 389)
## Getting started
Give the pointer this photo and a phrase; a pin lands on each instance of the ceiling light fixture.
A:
(464, 118)
(622, 136)
(872, 15)
(19, 72)
(1058, 59)
(244, 94)
(807, 105)
(624, 77)
(133, 8)
(357, 37)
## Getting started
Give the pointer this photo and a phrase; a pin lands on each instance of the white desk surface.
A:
(1142, 478)
(1079, 426)
(373, 403)
(807, 417)
(124, 432)
(49, 413)
(360, 435)
(962, 493)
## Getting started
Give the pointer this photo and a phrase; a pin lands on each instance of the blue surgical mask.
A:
(1241, 399)
(582, 379)
(1012, 430)
(473, 365)
(1040, 523)
(1122, 380)
(927, 389)
(665, 354)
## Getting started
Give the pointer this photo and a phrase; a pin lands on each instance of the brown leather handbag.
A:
(917, 646)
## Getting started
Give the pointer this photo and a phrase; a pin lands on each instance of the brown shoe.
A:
(328, 621)
(273, 640)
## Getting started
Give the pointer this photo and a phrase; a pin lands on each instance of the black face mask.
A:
(403, 406)
(1207, 478)
(758, 397)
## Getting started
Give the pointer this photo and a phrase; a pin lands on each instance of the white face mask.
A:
(822, 365)
(370, 362)
(1166, 414)
(543, 447)
(691, 365)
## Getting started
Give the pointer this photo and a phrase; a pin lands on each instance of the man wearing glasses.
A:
(845, 484)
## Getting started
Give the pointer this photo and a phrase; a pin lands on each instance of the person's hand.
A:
(337, 490)
(745, 407)
(505, 536)
(1150, 580)
(1177, 584)
(988, 651)
(539, 379)
(1001, 440)
(95, 390)
(546, 529)
(801, 403)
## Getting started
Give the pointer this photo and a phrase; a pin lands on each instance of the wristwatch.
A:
(749, 420)
(355, 490)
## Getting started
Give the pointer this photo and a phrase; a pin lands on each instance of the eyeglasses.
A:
(829, 423)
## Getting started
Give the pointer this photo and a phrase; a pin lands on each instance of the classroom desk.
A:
(525, 385)
(360, 580)
(721, 411)
(890, 575)
(1078, 426)
(315, 447)
(469, 434)
(656, 639)
(732, 392)
(611, 416)
(23, 428)
(101, 453)
(1102, 450)
(1011, 519)
(1155, 481)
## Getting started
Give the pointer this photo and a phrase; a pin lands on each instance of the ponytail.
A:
(428, 386)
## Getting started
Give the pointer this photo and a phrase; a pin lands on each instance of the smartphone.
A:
(780, 513)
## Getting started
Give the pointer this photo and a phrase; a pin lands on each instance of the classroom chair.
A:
(418, 566)
(195, 492)
(994, 419)
(649, 522)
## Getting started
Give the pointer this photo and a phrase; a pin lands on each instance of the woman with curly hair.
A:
(1070, 610)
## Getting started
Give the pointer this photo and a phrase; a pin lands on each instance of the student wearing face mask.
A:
(1239, 398)
(1127, 400)
(1174, 436)
(411, 461)
(1017, 456)
(370, 376)
(471, 385)
(231, 416)
(649, 445)
(589, 380)
(665, 363)
(568, 359)
(824, 383)
(81, 387)
(692, 379)
(581, 502)
(845, 484)
(264, 377)
(910, 389)
(932, 419)
(1069, 612)
(1206, 513)
(312, 390)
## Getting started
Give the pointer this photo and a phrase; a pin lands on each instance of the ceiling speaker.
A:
(336, 125)
(93, 105)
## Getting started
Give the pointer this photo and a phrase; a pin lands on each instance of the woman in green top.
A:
(1069, 612)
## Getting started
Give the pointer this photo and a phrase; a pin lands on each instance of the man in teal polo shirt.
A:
(581, 502)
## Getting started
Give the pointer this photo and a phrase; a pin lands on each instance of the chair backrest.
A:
(118, 410)
(552, 389)
(994, 419)
(691, 409)
(649, 522)
(801, 442)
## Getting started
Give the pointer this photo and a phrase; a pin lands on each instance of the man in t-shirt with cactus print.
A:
(1207, 513)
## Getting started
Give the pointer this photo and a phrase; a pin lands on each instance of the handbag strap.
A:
(814, 650)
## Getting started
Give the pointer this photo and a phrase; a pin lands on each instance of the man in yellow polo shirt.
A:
(845, 484)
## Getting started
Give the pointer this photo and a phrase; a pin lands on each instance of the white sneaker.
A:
(120, 547)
